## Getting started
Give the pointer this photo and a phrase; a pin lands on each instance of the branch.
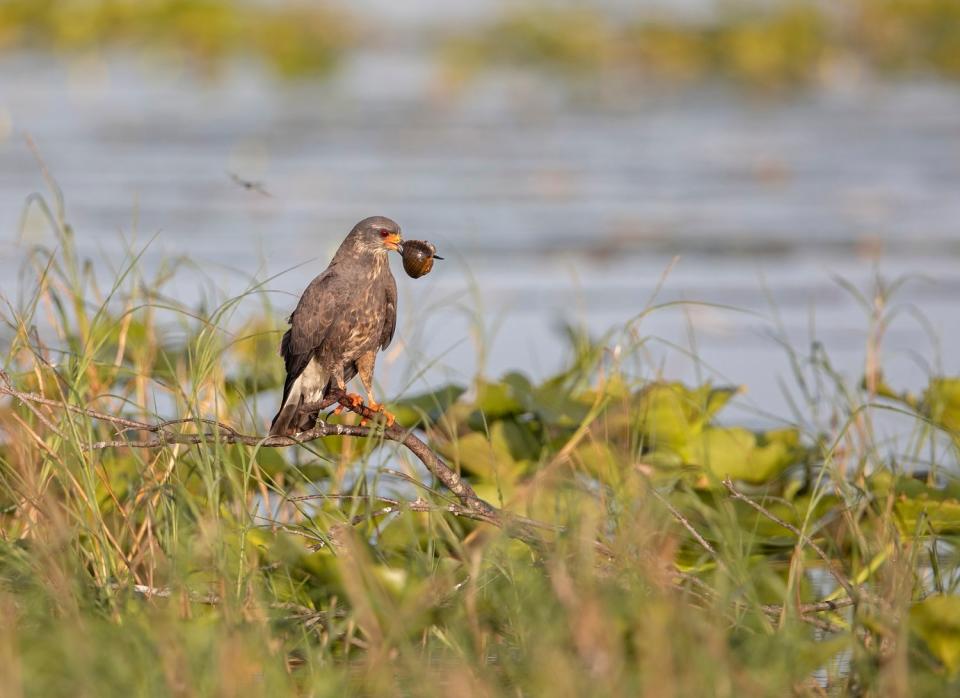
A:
(685, 523)
(812, 607)
(225, 434)
(393, 506)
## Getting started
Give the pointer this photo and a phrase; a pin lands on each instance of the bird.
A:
(343, 319)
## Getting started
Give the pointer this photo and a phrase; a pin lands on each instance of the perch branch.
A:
(223, 433)
(437, 467)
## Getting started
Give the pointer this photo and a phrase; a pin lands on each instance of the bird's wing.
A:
(309, 325)
(315, 313)
(390, 313)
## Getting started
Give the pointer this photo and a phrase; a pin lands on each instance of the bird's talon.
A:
(355, 400)
(380, 409)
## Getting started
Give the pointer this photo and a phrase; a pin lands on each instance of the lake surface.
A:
(550, 203)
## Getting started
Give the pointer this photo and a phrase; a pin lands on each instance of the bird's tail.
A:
(286, 421)
(283, 423)
(291, 419)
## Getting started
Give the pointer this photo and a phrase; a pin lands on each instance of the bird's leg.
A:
(365, 371)
(339, 393)
(354, 402)
(334, 396)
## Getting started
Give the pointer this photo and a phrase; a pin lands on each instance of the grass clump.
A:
(679, 553)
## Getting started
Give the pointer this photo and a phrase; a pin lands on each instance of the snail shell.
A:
(418, 256)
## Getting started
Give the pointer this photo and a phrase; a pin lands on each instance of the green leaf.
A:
(943, 516)
(672, 415)
(736, 453)
(426, 406)
(715, 399)
(520, 387)
(504, 457)
(725, 452)
(941, 402)
(496, 400)
(599, 459)
(664, 459)
(936, 620)
(914, 500)
(669, 415)
(517, 436)
(554, 405)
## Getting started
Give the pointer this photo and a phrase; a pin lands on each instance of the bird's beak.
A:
(394, 242)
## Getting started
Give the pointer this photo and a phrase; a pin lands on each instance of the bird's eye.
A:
(384, 233)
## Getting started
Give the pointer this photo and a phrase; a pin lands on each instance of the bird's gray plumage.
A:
(345, 316)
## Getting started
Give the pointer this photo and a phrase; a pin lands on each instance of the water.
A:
(550, 204)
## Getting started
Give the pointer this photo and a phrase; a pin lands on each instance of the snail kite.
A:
(346, 315)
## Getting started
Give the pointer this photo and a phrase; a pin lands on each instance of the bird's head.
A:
(376, 234)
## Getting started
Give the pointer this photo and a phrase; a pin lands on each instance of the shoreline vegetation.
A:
(674, 551)
(756, 44)
(753, 44)
(292, 40)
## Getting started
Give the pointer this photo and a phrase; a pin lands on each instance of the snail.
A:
(418, 256)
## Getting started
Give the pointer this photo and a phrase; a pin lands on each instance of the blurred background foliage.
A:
(294, 39)
(762, 44)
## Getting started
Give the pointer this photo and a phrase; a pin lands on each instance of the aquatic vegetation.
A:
(762, 44)
(294, 40)
(676, 550)
(754, 43)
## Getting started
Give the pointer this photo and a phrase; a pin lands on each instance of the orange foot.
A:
(377, 407)
(353, 400)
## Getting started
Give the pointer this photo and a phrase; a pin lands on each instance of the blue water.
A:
(551, 204)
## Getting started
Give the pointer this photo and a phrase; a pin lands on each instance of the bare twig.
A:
(814, 607)
(827, 560)
(418, 505)
(307, 616)
(422, 505)
(149, 592)
(685, 523)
